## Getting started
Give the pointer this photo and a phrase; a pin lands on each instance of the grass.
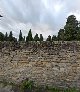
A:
(28, 86)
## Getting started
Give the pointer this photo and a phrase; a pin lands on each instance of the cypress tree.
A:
(49, 38)
(29, 37)
(6, 37)
(10, 36)
(54, 38)
(41, 37)
(36, 38)
(1, 36)
(20, 36)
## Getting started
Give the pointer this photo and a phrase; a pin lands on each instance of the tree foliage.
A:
(6, 37)
(70, 32)
(71, 28)
(1, 36)
(49, 38)
(29, 37)
(61, 34)
(54, 38)
(10, 36)
(36, 38)
(41, 37)
(20, 36)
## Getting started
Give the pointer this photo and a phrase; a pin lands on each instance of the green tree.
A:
(29, 37)
(24, 38)
(10, 36)
(54, 38)
(6, 37)
(20, 36)
(78, 32)
(61, 34)
(71, 28)
(49, 38)
(36, 38)
(1, 36)
(41, 37)
(14, 39)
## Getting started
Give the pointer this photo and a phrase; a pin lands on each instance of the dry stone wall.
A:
(45, 63)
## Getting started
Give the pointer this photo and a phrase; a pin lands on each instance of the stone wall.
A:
(45, 63)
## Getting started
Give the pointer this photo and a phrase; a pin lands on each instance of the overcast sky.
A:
(42, 16)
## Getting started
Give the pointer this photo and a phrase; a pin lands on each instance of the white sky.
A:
(42, 16)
